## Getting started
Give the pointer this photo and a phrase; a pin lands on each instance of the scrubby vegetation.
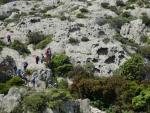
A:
(73, 41)
(2, 44)
(20, 47)
(61, 64)
(39, 40)
(42, 44)
(14, 81)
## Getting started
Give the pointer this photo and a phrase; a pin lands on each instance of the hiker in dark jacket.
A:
(25, 65)
(37, 58)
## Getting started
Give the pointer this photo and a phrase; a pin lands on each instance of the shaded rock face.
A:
(7, 68)
(12, 99)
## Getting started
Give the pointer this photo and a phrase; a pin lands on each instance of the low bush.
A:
(60, 60)
(105, 5)
(84, 10)
(84, 39)
(106, 40)
(20, 47)
(144, 51)
(14, 81)
(145, 19)
(73, 41)
(120, 3)
(80, 15)
(35, 37)
(2, 44)
(61, 65)
(42, 44)
(133, 68)
(35, 103)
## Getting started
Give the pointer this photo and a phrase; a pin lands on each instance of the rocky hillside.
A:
(98, 31)
(90, 40)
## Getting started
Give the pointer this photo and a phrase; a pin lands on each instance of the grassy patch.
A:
(42, 44)
(20, 47)
(14, 81)
(81, 15)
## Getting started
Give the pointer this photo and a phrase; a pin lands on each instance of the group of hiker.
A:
(22, 72)
(43, 58)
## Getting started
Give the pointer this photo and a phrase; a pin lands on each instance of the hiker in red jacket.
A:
(48, 54)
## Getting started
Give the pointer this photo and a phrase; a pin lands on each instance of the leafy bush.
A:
(42, 44)
(61, 64)
(142, 101)
(57, 97)
(120, 3)
(3, 1)
(60, 60)
(64, 69)
(84, 10)
(145, 19)
(63, 84)
(20, 47)
(133, 68)
(73, 41)
(117, 22)
(105, 4)
(80, 15)
(14, 81)
(84, 39)
(2, 44)
(106, 40)
(35, 37)
(35, 103)
(144, 51)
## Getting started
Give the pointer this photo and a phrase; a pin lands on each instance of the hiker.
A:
(37, 59)
(19, 72)
(25, 65)
(48, 53)
(42, 58)
(24, 77)
(8, 36)
(33, 81)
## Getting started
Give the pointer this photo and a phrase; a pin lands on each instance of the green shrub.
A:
(84, 39)
(84, 10)
(3, 1)
(145, 19)
(2, 44)
(60, 60)
(105, 5)
(35, 37)
(126, 14)
(35, 103)
(142, 101)
(80, 15)
(64, 69)
(114, 9)
(42, 44)
(106, 40)
(117, 22)
(120, 3)
(14, 81)
(20, 47)
(57, 97)
(144, 51)
(63, 84)
(73, 41)
(133, 68)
